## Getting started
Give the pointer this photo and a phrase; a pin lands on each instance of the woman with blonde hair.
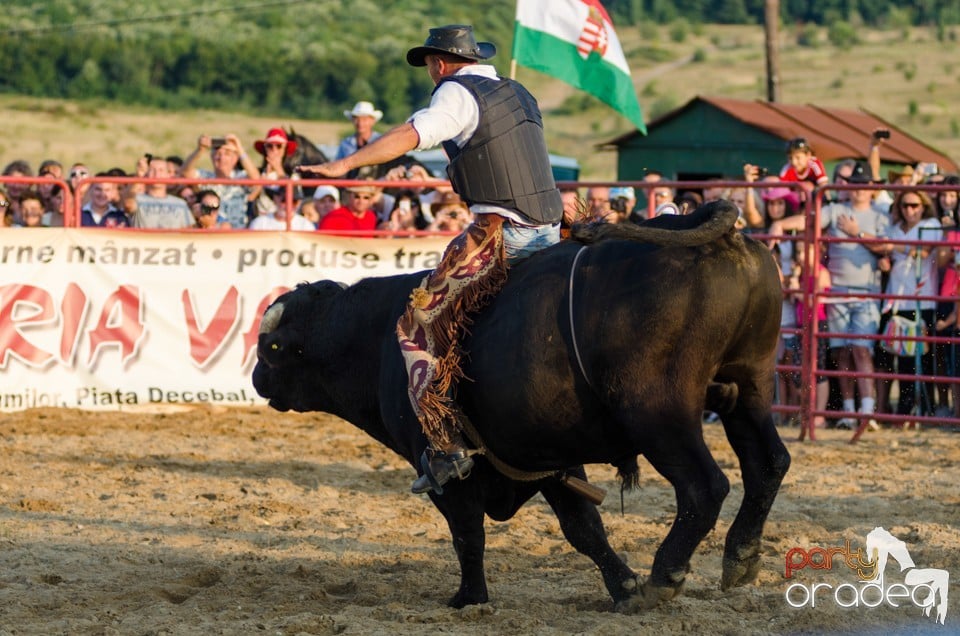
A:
(913, 272)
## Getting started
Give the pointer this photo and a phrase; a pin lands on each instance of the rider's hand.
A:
(336, 168)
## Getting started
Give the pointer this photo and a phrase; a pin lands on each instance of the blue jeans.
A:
(854, 318)
(520, 242)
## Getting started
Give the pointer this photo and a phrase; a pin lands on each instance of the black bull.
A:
(655, 326)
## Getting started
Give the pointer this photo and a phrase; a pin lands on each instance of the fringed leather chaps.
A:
(472, 270)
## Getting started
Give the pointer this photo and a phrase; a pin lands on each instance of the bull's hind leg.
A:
(683, 458)
(583, 528)
(763, 462)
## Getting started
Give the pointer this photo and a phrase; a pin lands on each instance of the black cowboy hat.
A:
(453, 39)
(861, 174)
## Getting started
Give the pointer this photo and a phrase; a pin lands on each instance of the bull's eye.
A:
(274, 346)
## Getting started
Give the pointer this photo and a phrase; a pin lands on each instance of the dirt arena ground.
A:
(246, 521)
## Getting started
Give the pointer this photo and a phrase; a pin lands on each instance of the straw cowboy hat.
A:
(363, 109)
(895, 175)
(276, 135)
(453, 39)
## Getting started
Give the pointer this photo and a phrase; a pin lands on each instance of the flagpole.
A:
(513, 68)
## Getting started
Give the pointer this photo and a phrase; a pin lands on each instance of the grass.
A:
(912, 81)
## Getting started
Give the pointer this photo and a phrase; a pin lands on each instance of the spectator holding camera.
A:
(230, 161)
(206, 211)
(450, 214)
(946, 202)
(854, 269)
(753, 215)
(407, 214)
(884, 198)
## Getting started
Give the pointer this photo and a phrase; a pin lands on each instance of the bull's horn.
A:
(271, 318)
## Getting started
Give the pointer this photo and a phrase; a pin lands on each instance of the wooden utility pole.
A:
(771, 20)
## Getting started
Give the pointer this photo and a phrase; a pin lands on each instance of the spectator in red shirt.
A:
(803, 166)
(356, 214)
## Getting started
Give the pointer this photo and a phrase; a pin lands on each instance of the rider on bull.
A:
(492, 131)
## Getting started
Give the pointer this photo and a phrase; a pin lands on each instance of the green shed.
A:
(712, 137)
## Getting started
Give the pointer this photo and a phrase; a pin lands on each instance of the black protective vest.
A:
(505, 163)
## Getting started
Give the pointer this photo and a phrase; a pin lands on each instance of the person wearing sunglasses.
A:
(913, 272)
(206, 211)
(275, 148)
(78, 172)
(230, 161)
(357, 213)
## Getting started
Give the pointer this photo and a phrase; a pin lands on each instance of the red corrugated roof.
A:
(834, 133)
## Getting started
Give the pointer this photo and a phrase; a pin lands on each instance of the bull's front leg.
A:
(464, 517)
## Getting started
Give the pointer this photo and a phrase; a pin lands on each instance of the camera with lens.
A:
(881, 133)
(761, 173)
(619, 204)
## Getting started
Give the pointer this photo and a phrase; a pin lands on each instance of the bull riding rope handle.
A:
(593, 494)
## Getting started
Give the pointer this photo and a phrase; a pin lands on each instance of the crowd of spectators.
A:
(874, 247)
(211, 201)
(876, 257)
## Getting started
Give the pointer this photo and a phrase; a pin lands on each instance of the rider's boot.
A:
(440, 466)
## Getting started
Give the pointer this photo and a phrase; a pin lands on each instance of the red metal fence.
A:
(814, 242)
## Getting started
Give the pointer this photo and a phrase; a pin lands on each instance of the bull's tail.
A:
(628, 472)
(706, 224)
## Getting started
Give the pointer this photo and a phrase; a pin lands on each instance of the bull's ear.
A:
(325, 289)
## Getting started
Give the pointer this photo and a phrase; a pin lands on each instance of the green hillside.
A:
(908, 75)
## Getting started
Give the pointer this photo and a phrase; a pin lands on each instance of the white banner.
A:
(107, 319)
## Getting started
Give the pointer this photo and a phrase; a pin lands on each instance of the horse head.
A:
(307, 152)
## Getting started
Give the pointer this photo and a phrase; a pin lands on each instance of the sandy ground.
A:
(246, 521)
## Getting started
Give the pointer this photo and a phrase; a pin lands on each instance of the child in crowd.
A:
(803, 166)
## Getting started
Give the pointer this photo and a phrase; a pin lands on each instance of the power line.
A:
(83, 26)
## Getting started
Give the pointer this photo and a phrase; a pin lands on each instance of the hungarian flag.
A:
(573, 40)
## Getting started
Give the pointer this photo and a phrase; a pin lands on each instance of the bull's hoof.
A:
(739, 571)
(462, 599)
(647, 597)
